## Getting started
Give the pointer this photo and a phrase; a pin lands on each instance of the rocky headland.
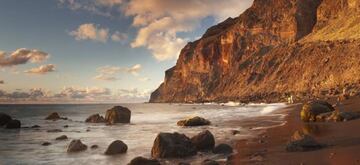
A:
(277, 48)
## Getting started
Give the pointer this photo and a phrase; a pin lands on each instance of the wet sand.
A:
(342, 140)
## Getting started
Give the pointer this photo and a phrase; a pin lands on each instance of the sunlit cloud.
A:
(75, 94)
(22, 56)
(90, 31)
(117, 36)
(43, 69)
(108, 73)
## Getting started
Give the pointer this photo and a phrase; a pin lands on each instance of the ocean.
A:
(23, 146)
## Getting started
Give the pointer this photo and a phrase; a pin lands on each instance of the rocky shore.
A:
(306, 142)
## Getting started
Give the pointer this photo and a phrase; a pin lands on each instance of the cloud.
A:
(22, 56)
(105, 77)
(43, 69)
(90, 31)
(74, 95)
(107, 73)
(144, 79)
(117, 36)
(105, 8)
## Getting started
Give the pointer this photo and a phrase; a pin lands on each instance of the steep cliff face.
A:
(271, 50)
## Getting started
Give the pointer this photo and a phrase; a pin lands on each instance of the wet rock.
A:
(204, 140)
(209, 162)
(223, 149)
(172, 145)
(337, 116)
(235, 132)
(94, 146)
(313, 108)
(53, 116)
(118, 114)
(13, 124)
(66, 126)
(144, 161)
(183, 163)
(96, 118)
(301, 142)
(194, 121)
(46, 144)
(35, 126)
(62, 137)
(76, 146)
(4, 119)
(54, 130)
(116, 147)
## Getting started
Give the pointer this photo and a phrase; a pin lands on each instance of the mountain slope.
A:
(274, 49)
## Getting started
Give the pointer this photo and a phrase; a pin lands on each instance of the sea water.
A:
(23, 146)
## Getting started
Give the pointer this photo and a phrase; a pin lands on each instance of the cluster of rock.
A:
(320, 111)
(194, 121)
(117, 114)
(8, 122)
(176, 145)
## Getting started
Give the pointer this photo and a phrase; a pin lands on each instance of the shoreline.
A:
(341, 138)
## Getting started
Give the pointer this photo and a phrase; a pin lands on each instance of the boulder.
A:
(62, 137)
(94, 146)
(116, 147)
(204, 140)
(194, 121)
(223, 149)
(53, 116)
(301, 142)
(118, 114)
(144, 161)
(172, 145)
(313, 108)
(46, 144)
(76, 146)
(13, 124)
(35, 126)
(209, 162)
(96, 118)
(4, 119)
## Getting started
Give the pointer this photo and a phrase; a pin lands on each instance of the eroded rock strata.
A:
(276, 48)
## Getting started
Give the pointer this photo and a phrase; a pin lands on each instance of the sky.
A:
(97, 50)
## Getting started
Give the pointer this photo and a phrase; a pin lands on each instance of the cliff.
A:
(276, 48)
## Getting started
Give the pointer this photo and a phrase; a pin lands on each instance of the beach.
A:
(341, 140)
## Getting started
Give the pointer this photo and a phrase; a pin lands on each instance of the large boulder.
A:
(4, 119)
(118, 114)
(194, 121)
(13, 124)
(204, 140)
(313, 108)
(53, 116)
(76, 146)
(96, 118)
(301, 142)
(172, 145)
(144, 161)
(223, 149)
(116, 147)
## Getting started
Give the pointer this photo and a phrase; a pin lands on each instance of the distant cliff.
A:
(276, 48)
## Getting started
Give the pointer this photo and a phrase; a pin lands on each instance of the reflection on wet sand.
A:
(316, 129)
